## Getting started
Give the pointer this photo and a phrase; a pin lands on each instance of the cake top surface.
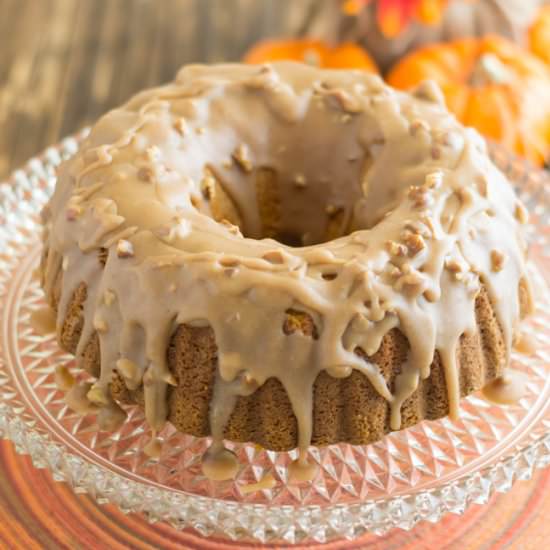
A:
(239, 193)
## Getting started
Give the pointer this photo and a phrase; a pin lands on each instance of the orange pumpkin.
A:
(491, 84)
(539, 35)
(312, 52)
(458, 19)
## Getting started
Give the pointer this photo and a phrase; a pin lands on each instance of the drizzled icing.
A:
(266, 482)
(43, 321)
(507, 389)
(415, 215)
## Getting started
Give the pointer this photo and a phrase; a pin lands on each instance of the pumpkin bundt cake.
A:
(284, 255)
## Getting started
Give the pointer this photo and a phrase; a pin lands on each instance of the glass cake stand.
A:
(417, 474)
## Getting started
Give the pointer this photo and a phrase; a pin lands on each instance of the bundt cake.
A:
(284, 255)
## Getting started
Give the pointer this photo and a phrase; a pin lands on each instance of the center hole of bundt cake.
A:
(292, 209)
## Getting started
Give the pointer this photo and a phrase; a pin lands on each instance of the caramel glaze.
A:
(424, 219)
(507, 389)
(43, 321)
(266, 482)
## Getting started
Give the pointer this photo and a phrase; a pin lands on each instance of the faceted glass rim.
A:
(263, 522)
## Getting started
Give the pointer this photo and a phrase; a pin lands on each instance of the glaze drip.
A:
(43, 320)
(507, 389)
(395, 214)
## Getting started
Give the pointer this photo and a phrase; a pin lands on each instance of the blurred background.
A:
(65, 62)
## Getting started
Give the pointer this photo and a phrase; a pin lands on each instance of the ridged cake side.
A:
(344, 410)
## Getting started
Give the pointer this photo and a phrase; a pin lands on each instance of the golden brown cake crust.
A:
(345, 410)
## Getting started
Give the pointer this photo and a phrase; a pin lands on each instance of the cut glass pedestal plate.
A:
(418, 474)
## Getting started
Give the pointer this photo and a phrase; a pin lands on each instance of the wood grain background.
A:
(65, 62)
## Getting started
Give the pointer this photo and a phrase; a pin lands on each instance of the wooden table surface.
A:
(62, 64)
